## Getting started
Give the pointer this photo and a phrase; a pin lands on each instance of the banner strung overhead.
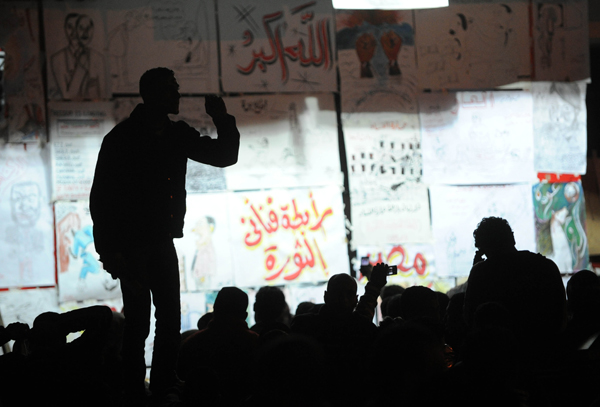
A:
(456, 211)
(482, 137)
(274, 46)
(288, 236)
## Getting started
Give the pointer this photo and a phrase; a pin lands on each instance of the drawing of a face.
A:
(203, 229)
(70, 28)
(564, 112)
(85, 30)
(458, 28)
(499, 25)
(25, 203)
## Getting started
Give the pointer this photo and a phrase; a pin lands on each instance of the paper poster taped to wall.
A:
(77, 63)
(76, 133)
(388, 201)
(457, 210)
(288, 236)
(193, 306)
(23, 117)
(561, 40)
(80, 273)
(26, 230)
(560, 224)
(270, 46)
(477, 138)
(286, 141)
(560, 127)
(473, 46)
(180, 35)
(376, 58)
(24, 306)
(205, 249)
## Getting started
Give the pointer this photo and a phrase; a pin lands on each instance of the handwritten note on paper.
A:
(560, 127)
(26, 222)
(389, 202)
(288, 236)
(80, 273)
(457, 210)
(204, 252)
(561, 40)
(273, 46)
(178, 34)
(473, 46)
(287, 141)
(76, 133)
(477, 138)
(376, 58)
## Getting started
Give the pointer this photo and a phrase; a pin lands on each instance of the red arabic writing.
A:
(398, 256)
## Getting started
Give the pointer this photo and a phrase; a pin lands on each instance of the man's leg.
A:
(136, 307)
(164, 284)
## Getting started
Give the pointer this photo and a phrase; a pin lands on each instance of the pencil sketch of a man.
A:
(78, 70)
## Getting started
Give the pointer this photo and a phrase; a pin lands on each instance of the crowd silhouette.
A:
(514, 336)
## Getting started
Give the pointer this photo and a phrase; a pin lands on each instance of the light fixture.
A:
(388, 4)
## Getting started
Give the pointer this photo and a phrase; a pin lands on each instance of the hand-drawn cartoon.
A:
(204, 265)
(365, 49)
(391, 43)
(79, 71)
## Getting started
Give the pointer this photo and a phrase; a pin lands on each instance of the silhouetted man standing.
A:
(138, 205)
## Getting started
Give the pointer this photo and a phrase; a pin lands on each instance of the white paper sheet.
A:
(473, 46)
(178, 34)
(561, 40)
(23, 115)
(193, 306)
(270, 46)
(76, 133)
(26, 224)
(560, 127)
(288, 236)
(77, 64)
(376, 58)
(389, 204)
(286, 141)
(477, 137)
(80, 273)
(205, 251)
(456, 211)
(25, 305)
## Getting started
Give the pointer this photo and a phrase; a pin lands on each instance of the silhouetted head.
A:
(494, 235)
(305, 307)
(269, 304)
(392, 306)
(204, 320)
(391, 290)
(231, 302)
(341, 293)
(46, 333)
(418, 302)
(159, 89)
(583, 292)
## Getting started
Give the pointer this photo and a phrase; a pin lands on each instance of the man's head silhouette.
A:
(159, 89)
(341, 293)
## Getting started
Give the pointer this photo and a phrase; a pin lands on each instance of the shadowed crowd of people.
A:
(510, 336)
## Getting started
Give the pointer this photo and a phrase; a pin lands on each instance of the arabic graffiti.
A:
(290, 236)
(315, 51)
(401, 256)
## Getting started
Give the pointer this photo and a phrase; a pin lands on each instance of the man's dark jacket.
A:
(138, 194)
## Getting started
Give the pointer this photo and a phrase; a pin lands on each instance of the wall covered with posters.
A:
(365, 133)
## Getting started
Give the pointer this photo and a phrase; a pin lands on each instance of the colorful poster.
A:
(76, 133)
(476, 138)
(286, 141)
(178, 34)
(75, 41)
(388, 201)
(270, 46)
(560, 127)
(80, 273)
(26, 223)
(415, 262)
(287, 236)
(23, 117)
(457, 210)
(376, 58)
(205, 251)
(561, 40)
(560, 224)
(473, 46)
